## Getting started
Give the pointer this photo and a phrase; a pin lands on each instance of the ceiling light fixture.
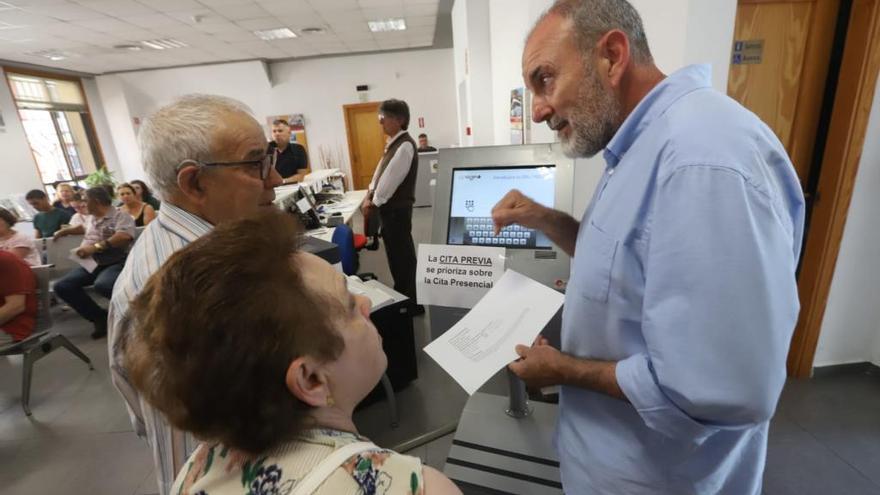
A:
(129, 47)
(385, 25)
(53, 55)
(275, 34)
(163, 44)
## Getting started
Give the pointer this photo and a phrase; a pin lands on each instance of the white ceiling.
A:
(87, 30)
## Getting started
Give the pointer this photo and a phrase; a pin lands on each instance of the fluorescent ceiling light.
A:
(384, 25)
(275, 34)
(54, 55)
(163, 44)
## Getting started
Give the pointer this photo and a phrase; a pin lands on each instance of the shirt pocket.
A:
(594, 259)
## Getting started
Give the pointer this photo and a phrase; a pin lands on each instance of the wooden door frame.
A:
(853, 100)
(348, 130)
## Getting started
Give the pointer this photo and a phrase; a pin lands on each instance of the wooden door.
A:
(783, 82)
(786, 87)
(366, 141)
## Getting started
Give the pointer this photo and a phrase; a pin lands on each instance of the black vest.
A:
(405, 195)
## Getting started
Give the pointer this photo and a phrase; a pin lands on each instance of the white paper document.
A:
(513, 312)
(88, 263)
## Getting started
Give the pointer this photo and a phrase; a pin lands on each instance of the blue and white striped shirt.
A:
(173, 229)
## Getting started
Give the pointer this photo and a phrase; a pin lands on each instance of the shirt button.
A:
(610, 171)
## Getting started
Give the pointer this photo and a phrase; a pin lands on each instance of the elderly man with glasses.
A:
(207, 157)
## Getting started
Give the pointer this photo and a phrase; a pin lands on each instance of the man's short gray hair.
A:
(593, 18)
(182, 131)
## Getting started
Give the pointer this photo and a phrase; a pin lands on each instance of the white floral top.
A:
(218, 470)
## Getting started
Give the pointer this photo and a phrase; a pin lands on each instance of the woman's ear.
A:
(307, 382)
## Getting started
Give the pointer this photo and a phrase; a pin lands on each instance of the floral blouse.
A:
(218, 470)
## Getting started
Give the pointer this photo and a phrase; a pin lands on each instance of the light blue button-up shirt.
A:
(684, 274)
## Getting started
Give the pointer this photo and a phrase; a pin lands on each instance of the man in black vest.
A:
(292, 163)
(392, 192)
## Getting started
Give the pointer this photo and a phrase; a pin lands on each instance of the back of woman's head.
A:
(217, 327)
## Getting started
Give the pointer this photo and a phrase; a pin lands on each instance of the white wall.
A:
(102, 127)
(18, 170)
(317, 88)
(473, 69)
(851, 326)
(122, 143)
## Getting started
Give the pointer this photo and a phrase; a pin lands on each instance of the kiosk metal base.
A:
(493, 453)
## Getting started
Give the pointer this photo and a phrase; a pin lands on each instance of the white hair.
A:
(181, 131)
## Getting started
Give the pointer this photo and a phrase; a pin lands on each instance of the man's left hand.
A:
(86, 251)
(540, 365)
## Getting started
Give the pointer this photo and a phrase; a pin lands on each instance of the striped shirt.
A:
(173, 229)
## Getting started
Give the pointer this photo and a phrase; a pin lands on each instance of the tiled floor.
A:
(824, 440)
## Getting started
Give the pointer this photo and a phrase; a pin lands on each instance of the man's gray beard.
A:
(594, 120)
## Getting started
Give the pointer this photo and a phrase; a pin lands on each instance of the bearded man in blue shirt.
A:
(682, 298)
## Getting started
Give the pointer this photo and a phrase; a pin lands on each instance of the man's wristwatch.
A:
(100, 246)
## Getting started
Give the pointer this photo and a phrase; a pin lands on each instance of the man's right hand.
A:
(61, 233)
(515, 207)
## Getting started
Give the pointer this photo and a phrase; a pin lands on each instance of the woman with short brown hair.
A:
(260, 350)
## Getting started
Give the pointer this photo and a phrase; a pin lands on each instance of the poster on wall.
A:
(517, 132)
(297, 130)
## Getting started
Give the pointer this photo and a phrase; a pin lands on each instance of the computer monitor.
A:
(475, 191)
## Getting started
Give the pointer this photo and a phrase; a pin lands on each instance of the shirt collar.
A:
(400, 133)
(181, 222)
(653, 105)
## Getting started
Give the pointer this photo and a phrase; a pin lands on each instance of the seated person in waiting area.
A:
(18, 299)
(141, 212)
(78, 201)
(49, 218)
(107, 237)
(63, 194)
(16, 242)
(145, 194)
(269, 388)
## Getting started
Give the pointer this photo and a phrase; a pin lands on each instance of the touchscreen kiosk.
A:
(476, 190)
(470, 181)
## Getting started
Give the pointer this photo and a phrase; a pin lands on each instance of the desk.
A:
(349, 207)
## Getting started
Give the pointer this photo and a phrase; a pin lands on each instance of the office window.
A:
(59, 129)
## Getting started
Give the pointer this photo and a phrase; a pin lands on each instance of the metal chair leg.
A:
(26, 371)
(64, 342)
(392, 402)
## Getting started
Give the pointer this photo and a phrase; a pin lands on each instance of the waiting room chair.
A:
(42, 342)
(369, 240)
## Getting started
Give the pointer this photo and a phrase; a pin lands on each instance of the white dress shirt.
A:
(395, 172)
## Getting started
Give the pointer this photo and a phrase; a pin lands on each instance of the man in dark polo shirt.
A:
(392, 192)
(292, 163)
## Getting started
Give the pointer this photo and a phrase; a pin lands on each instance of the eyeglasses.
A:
(265, 164)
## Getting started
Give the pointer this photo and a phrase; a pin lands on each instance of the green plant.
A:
(102, 177)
